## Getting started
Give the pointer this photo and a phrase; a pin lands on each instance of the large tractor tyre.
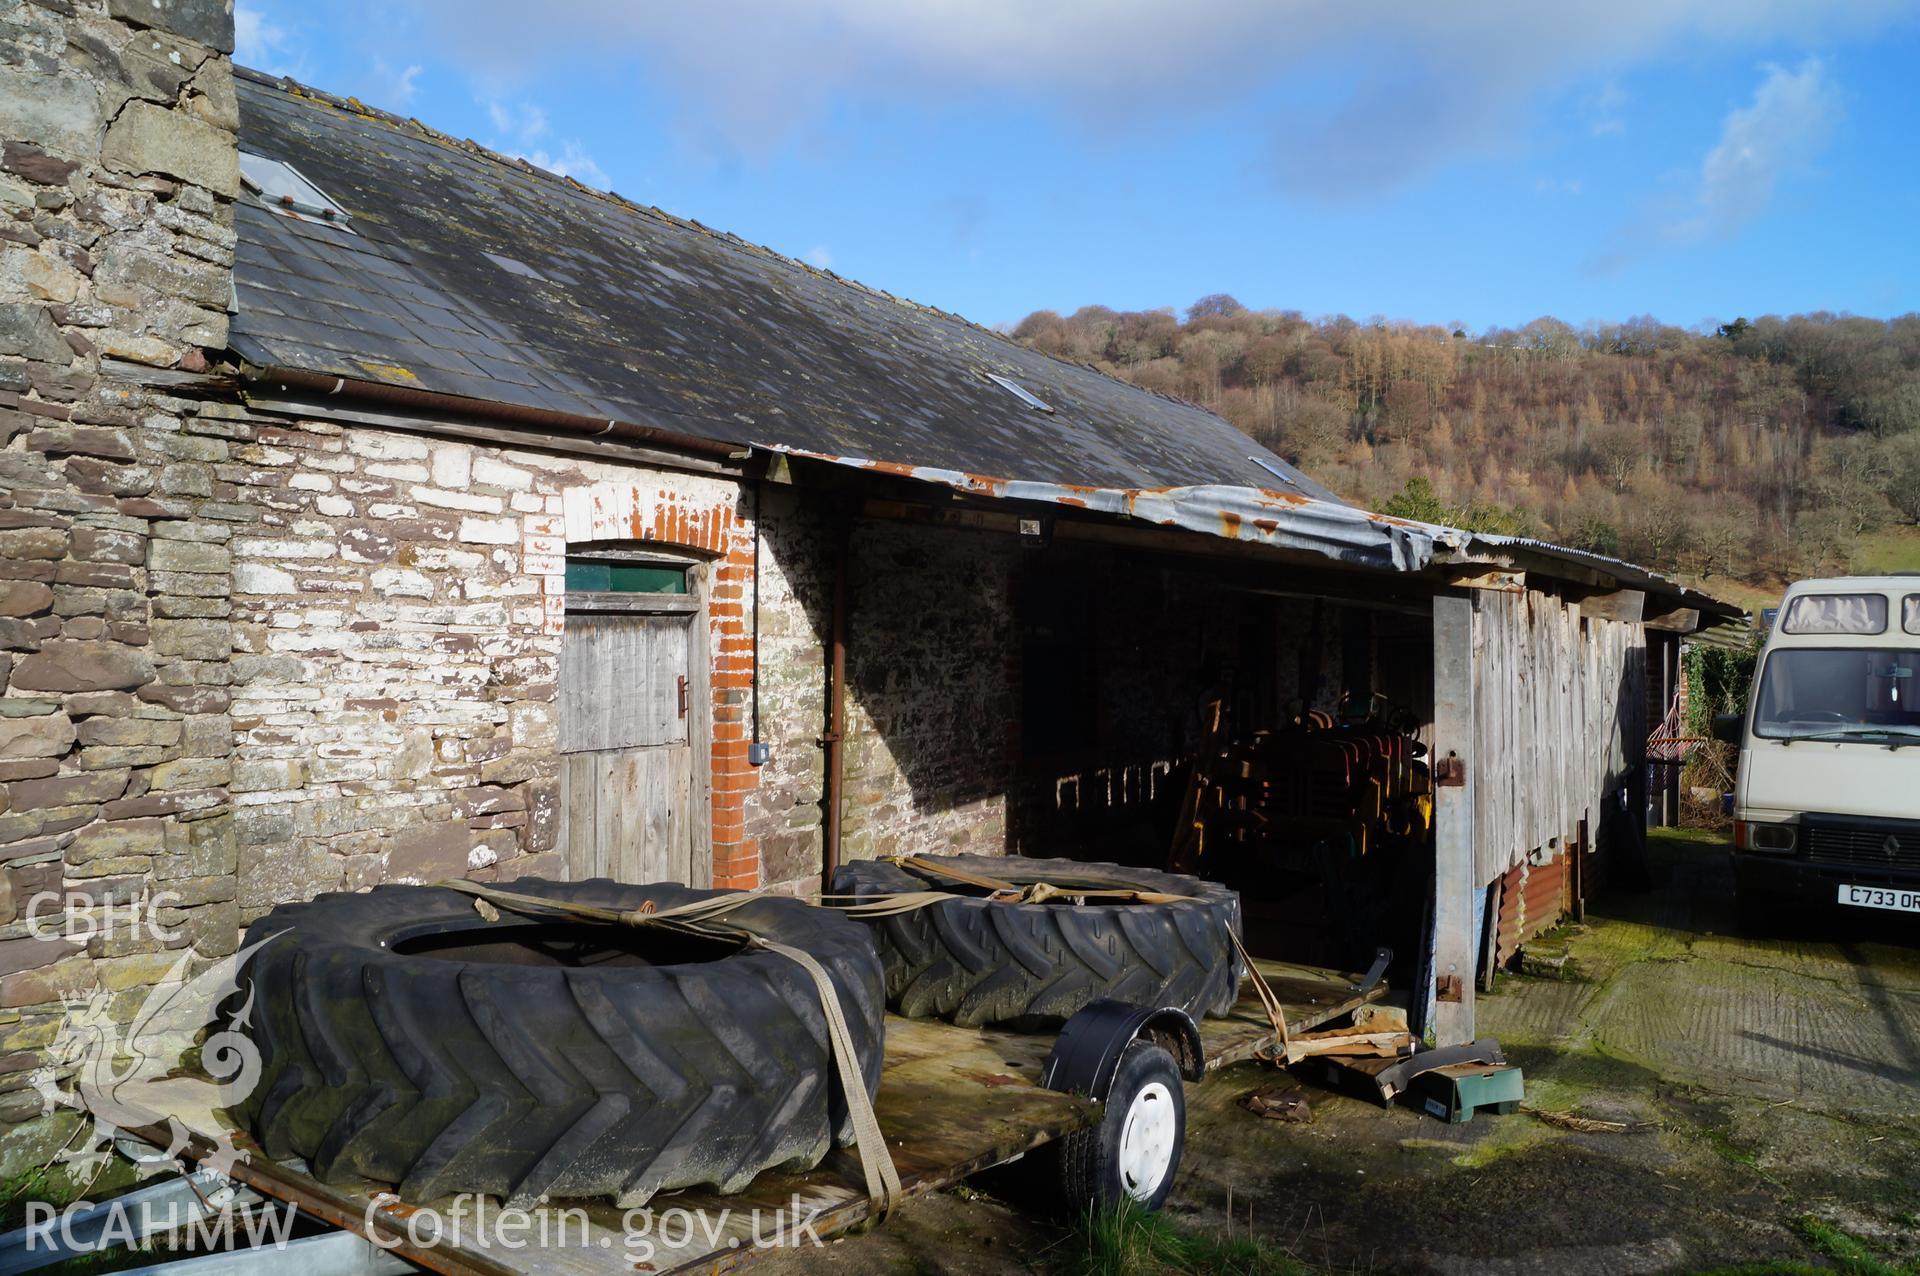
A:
(1032, 966)
(407, 1039)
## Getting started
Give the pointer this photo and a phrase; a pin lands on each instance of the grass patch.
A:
(1130, 1241)
(49, 1184)
(1892, 549)
(1730, 1151)
(1849, 1253)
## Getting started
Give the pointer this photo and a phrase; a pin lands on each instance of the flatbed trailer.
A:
(952, 1102)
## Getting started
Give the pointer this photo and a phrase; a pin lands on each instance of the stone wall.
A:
(397, 655)
(118, 168)
(930, 697)
(398, 611)
(784, 812)
(930, 659)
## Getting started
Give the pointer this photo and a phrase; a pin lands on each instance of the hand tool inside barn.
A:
(1329, 806)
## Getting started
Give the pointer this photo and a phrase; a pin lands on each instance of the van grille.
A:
(1879, 848)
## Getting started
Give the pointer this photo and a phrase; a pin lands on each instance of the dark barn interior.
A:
(1237, 723)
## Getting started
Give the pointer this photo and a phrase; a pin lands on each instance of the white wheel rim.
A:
(1147, 1141)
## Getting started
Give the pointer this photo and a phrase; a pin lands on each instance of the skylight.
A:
(1020, 392)
(1274, 470)
(282, 188)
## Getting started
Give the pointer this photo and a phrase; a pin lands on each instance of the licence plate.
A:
(1881, 897)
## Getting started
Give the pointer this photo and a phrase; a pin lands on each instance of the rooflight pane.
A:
(281, 186)
(1020, 392)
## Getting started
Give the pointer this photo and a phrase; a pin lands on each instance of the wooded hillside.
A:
(1764, 451)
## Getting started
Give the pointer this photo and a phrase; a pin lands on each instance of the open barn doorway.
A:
(1250, 725)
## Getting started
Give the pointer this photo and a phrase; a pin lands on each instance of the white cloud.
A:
(1604, 111)
(519, 125)
(818, 257)
(1411, 84)
(1779, 135)
(523, 120)
(571, 161)
(391, 88)
(258, 41)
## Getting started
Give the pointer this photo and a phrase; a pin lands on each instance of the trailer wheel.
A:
(1134, 1151)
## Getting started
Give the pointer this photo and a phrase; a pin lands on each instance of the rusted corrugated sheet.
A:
(1284, 520)
(1533, 898)
(1628, 575)
(1251, 515)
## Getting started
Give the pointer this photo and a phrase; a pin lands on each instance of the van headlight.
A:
(1777, 839)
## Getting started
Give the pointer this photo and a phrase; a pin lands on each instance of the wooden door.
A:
(626, 765)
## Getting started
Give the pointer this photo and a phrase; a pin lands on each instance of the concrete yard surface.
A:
(1695, 1100)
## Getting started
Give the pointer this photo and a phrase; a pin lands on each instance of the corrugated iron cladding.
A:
(1248, 514)
(1283, 520)
(1482, 545)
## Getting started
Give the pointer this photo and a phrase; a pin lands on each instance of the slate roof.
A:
(471, 274)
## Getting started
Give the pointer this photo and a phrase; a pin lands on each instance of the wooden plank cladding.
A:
(628, 815)
(622, 681)
(1559, 722)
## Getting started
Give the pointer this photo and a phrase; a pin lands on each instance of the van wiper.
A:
(1896, 737)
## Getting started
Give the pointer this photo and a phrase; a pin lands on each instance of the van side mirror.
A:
(1729, 727)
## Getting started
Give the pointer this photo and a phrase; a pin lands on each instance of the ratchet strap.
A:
(1032, 893)
(1276, 1014)
(702, 917)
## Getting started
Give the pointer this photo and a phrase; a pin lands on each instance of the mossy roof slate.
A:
(472, 274)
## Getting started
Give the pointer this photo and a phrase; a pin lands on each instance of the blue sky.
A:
(1482, 164)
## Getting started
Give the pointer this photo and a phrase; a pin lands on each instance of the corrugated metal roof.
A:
(475, 275)
(1630, 575)
(1280, 519)
(1288, 521)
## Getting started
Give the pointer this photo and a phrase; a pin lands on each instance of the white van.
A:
(1827, 801)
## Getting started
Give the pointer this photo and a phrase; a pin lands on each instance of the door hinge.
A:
(1450, 772)
(683, 695)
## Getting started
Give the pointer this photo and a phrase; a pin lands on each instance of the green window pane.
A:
(588, 578)
(648, 578)
(585, 576)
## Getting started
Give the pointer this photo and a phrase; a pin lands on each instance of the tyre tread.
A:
(447, 1076)
(977, 963)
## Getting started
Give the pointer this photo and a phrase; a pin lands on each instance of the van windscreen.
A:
(1809, 693)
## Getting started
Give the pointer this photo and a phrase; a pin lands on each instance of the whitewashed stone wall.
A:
(397, 621)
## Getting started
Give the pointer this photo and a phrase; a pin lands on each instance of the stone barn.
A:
(376, 508)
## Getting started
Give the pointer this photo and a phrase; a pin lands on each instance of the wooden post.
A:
(1454, 897)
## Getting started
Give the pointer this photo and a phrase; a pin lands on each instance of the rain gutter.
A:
(326, 384)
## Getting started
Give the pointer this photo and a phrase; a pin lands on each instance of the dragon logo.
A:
(1891, 846)
(144, 1074)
